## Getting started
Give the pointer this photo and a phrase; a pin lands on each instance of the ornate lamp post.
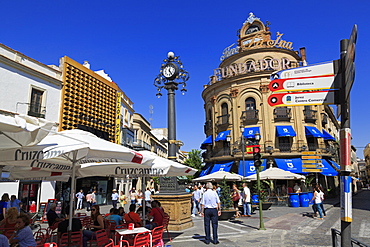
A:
(170, 77)
(243, 149)
(257, 164)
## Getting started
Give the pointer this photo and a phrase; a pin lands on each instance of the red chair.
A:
(166, 221)
(101, 238)
(111, 243)
(74, 239)
(140, 240)
(86, 221)
(39, 237)
(8, 233)
(110, 226)
(157, 236)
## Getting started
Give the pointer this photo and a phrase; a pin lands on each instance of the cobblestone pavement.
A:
(285, 226)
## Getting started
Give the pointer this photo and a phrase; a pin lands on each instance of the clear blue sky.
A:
(129, 40)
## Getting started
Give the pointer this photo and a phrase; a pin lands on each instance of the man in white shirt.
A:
(148, 197)
(246, 201)
(211, 209)
(197, 195)
(115, 197)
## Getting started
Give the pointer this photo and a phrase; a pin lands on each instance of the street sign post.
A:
(304, 83)
(302, 98)
(306, 71)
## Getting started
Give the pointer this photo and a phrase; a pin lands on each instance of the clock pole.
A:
(171, 76)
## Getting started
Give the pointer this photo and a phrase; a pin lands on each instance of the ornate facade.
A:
(235, 103)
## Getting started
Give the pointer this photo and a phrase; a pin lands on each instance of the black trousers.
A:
(211, 215)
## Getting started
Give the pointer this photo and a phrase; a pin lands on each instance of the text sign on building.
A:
(302, 98)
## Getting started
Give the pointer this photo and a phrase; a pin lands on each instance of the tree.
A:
(194, 159)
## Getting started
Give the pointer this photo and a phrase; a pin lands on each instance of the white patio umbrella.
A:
(157, 167)
(65, 152)
(274, 173)
(22, 130)
(219, 176)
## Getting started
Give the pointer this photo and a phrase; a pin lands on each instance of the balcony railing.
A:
(36, 110)
(310, 116)
(223, 120)
(324, 118)
(221, 152)
(249, 116)
(282, 114)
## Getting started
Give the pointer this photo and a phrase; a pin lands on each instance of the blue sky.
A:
(129, 40)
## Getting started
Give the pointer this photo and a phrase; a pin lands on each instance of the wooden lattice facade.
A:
(88, 101)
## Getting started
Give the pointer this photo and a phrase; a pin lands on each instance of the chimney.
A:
(86, 64)
(302, 50)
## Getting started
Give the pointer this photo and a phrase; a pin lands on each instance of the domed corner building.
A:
(297, 139)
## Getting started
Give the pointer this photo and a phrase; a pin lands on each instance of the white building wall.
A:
(9, 187)
(47, 191)
(18, 74)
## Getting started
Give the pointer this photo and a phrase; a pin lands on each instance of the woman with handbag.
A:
(235, 197)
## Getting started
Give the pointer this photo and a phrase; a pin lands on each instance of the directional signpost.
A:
(328, 83)
(311, 161)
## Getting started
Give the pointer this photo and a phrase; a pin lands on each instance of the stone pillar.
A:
(179, 209)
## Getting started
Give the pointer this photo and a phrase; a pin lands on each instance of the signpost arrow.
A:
(302, 98)
(349, 62)
(306, 71)
(304, 83)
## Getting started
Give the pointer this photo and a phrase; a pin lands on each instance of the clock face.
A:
(169, 71)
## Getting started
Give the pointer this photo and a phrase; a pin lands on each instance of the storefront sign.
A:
(257, 41)
(138, 171)
(229, 51)
(118, 119)
(251, 66)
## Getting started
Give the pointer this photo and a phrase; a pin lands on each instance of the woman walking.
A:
(317, 201)
(235, 196)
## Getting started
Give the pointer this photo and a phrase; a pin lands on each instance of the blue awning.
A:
(313, 132)
(224, 166)
(327, 136)
(327, 169)
(285, 130)
(249, 132)
(205, 170)
(333, 164)
(222, 135)
(208, 141)
(291, 165)
(250, 169)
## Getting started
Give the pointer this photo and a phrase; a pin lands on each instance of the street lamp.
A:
(257, 164)
(243, 149)
(170, 77)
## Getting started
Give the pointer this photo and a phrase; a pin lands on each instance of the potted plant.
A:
(264, 196)
(227, 211)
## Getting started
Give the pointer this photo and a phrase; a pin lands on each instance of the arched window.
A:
(250, 104)
(209, 118)
(224, 113)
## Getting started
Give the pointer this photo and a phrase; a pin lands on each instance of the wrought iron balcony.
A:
(220, 152)
(36, 110)
(140, 145)
(324, 118)
(282, 114)
(310, 116)
(249, 116)
(223, 120)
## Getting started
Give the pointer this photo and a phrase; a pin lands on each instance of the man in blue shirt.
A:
(211, 209)
(14, 202)
(115, 197)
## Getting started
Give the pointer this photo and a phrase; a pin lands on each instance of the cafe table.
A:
(134, 231)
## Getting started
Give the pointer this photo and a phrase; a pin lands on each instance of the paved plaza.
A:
(285, 226)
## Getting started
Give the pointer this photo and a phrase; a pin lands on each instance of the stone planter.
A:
(227, 214)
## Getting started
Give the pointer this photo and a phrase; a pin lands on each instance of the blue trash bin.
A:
(294, 200)
(303, 199)
(310, 195)
(254, 199)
